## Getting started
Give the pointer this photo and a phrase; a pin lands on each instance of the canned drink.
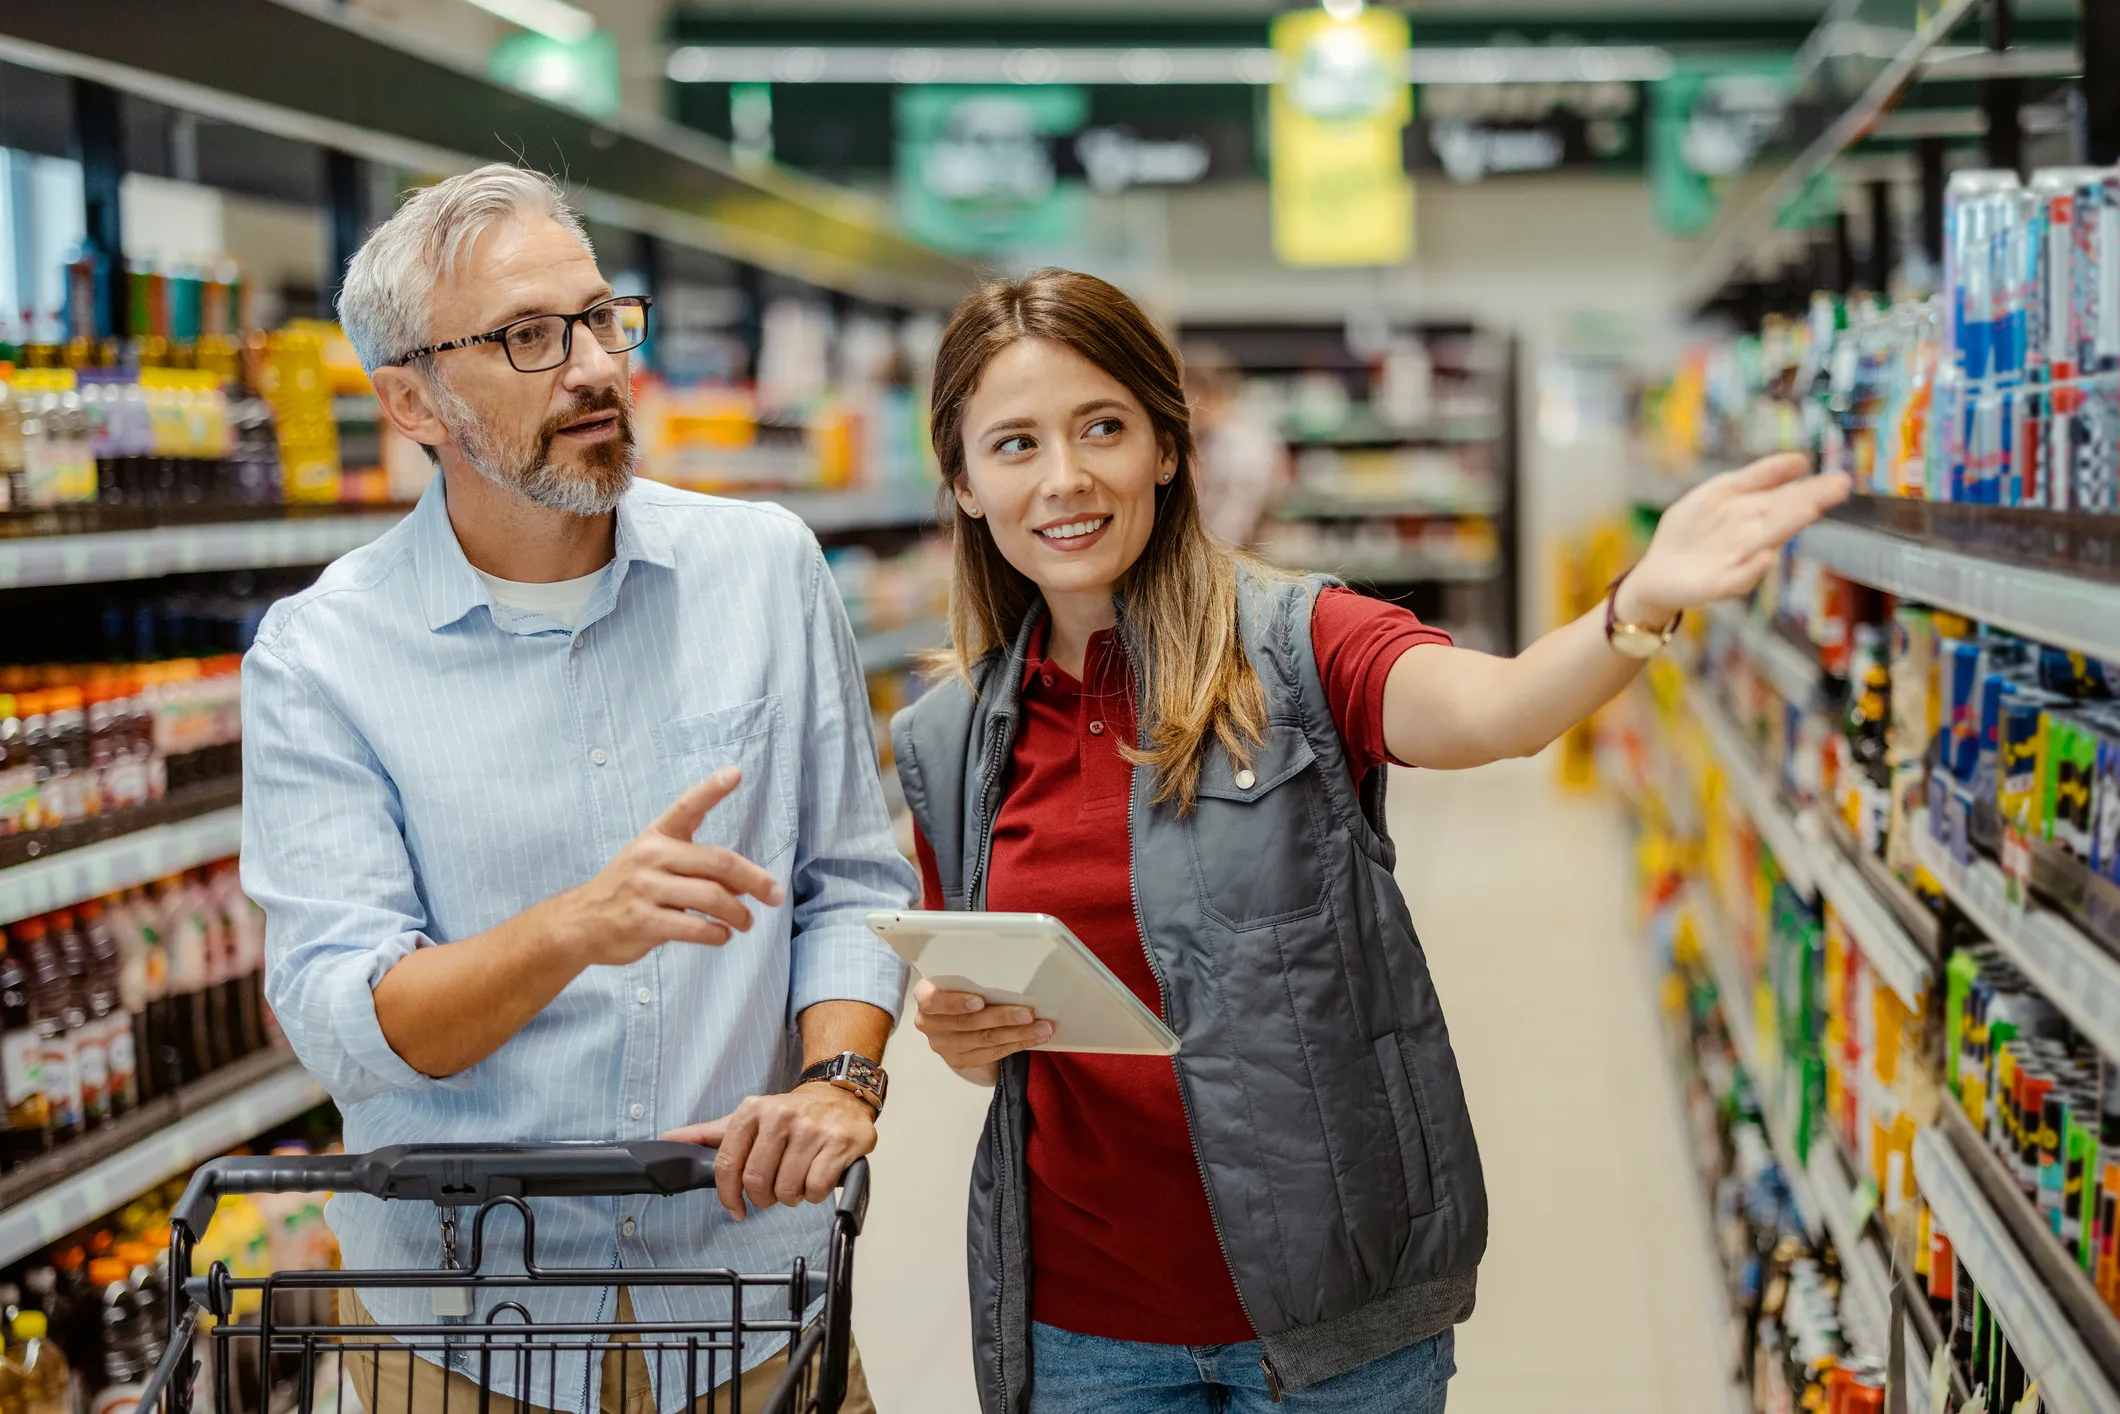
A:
(2034, 1083)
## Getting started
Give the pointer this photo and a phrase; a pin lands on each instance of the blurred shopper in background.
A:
(1241, 459)
(1183, 754)
(486, 920)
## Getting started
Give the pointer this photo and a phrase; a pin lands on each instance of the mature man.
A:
(561, 802)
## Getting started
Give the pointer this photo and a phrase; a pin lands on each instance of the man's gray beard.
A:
(595, 494)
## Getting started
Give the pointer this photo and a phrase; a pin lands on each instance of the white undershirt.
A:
(562, 600)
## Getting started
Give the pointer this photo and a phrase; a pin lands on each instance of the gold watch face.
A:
(1635, 641)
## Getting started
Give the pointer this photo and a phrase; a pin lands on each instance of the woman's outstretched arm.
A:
(1451, 708)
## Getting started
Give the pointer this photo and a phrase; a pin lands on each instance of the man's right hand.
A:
(664, 888)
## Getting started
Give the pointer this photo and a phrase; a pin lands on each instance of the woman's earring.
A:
(1165, 478)
(974, 512)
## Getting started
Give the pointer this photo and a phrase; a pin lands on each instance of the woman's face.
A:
(1062, 463)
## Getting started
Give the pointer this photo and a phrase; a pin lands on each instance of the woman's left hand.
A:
(1718, 539)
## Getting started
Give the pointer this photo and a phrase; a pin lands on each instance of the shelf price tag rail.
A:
(2066, 611)
(1784, 665)
(282, 1090)
(91, 871)
(1813, 862)
(2073, 972)
(2070, 1379)
(104, 556)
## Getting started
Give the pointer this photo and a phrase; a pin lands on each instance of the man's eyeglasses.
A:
(545, 341)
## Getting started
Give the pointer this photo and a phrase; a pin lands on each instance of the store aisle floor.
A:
(1596, 1294)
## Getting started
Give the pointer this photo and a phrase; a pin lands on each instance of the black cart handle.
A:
(456, 1175)
(467, 1175)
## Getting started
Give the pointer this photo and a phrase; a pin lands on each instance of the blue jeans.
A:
(1092, 1374)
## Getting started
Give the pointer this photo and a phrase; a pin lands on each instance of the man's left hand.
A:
(788, 1148)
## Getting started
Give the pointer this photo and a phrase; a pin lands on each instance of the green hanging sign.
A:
(1708, 122)
(975, 166)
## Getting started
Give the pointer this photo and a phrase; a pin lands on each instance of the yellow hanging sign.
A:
(1341, 195)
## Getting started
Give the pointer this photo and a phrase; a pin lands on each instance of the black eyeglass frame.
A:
(566, 335)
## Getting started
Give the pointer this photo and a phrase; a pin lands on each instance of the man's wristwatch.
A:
(854, 1073)
(1639, 641)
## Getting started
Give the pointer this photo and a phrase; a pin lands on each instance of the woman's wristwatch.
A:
(852, 1072)
(1638, 641)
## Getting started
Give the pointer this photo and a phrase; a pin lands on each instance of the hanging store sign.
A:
(1709, 122)
(1341, 195)
(976, 171)
(1470, 132)
(1117, 158)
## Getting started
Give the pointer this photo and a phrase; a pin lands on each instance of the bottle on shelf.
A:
(29, 1115)
(106, 1012)
(48, 1384)
(187, 979)
(49, 998)
(91, 1060)
(18, 773)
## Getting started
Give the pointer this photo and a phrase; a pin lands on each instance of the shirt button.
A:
(638, 1110)
(1047, 679)
(1096, 729)
(1246, 780)
(598, 756)
(644, 996)
(627, 1228)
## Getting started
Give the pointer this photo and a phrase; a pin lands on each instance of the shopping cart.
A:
(290, 1356)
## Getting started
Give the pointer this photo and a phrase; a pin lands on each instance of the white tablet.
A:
(1030, 960)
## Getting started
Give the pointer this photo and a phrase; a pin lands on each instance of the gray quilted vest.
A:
(1316, 1071)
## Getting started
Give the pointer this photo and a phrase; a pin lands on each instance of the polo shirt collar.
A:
(450, 588)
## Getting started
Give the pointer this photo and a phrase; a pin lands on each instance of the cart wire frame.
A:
(504, 1339)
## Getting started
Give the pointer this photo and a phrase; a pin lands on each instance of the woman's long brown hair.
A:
(1180, 596)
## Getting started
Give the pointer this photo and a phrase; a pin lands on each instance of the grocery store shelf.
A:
(841, 512)
(1867, 1305)
(1758, 795)
(2066, 611)
(1395, 569)
(1788, 669)
(1893, 954)
(895, 648)
(183, 549)
(1737, 995)
(1812, 861)
(2038, 1329)
(1376, 434)
(1314, 506)
(2063, 1279)
(60, 880)
(181, 1138)
(652, 176)
(2070, 969)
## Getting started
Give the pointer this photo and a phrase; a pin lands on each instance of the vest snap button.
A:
(1246, 780)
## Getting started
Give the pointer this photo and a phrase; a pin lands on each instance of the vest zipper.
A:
(972, 899)
(1192, 1130)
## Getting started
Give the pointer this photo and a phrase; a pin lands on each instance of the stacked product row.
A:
(2002, 389)
(1784, 1289)
(90, 1317)
(124, 999)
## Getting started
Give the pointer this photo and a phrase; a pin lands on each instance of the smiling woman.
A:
(1180, 753)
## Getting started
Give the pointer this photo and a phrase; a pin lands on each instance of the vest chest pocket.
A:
(1254, 833)
(758, 819)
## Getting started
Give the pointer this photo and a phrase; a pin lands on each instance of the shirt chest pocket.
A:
(758, 819)
(1255, 834)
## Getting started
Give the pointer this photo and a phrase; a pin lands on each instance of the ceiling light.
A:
(1343, 10)
(554, 19)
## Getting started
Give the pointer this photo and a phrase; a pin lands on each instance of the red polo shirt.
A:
(1123, 1243)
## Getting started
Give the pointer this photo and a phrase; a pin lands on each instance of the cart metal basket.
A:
(291, 1356)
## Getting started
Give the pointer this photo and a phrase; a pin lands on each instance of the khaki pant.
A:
(434, 1389)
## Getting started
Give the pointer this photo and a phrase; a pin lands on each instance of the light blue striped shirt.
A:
(421, 763)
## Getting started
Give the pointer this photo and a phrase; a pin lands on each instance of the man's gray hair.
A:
(385, 304)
